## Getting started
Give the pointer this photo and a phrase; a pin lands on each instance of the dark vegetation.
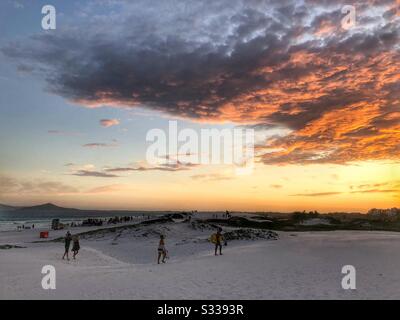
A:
(297, 221)
(89, 233)
(10, 246)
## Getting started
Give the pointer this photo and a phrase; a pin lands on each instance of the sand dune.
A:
(122, 265)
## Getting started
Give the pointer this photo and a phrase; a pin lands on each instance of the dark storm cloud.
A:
(177, 74)
(273, 63)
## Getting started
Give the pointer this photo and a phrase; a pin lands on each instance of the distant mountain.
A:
(4, 207)
(47, 207)
(50, 210)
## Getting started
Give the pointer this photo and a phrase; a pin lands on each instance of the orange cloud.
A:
(109, 122)
(335, 90)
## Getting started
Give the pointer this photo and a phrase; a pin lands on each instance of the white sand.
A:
(122, 266)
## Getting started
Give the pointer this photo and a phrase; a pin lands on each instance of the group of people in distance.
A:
(217, 239)
(25, 227)
(75, 245)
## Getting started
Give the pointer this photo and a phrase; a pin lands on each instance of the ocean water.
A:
(9, 221)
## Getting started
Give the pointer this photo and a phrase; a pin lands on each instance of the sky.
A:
(77, 103)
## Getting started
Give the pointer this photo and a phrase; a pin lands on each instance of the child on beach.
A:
(67, 241)
(161, 250)
(75, 246)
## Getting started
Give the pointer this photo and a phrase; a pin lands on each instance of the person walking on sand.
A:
(218, 241)
(162, 251)
(67, 241)
(75, 245)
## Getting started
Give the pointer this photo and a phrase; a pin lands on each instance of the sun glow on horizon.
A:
(324, 187)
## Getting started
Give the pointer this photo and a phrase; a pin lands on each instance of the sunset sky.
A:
(77, 102)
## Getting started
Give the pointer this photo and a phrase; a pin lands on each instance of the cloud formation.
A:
(212, 177)
(316, 194)
(99, 145)
(106, 189)
(285, 64)
(377, 191)
(109, 122)
(13, 185)
(92, 173)
(167, 166)
(391, 187)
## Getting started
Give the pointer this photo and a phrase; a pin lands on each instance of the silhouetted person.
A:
(218, 241)
(67, 241)
(161, 250)
(75, 245)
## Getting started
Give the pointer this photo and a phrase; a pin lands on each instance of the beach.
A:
(122, 264)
